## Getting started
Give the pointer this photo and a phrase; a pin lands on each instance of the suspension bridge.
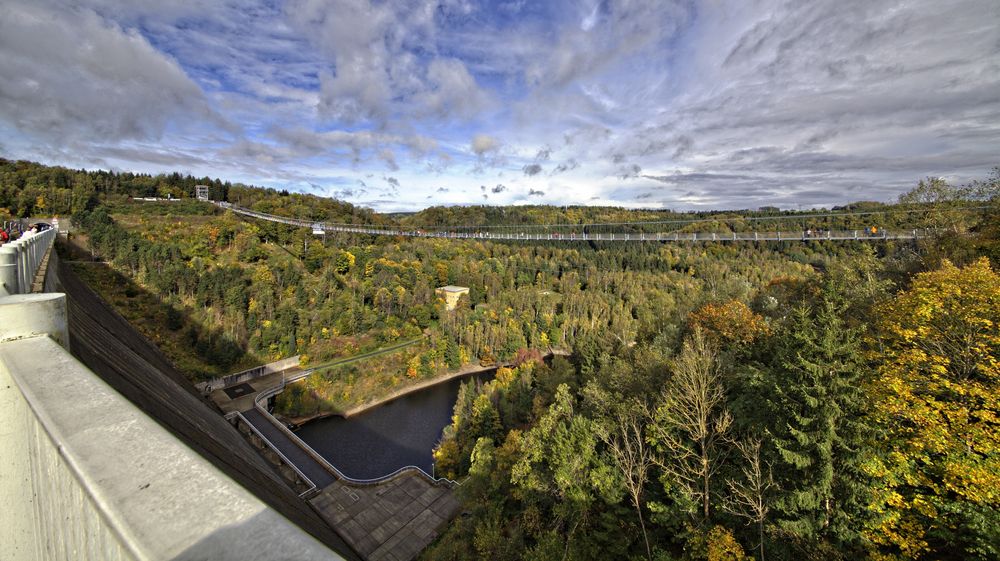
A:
(586, 233)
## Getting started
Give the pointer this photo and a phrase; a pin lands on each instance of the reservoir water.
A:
(381, 440)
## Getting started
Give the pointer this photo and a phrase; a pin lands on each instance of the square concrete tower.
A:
(451, 294)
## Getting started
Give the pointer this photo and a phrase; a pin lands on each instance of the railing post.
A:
(29, 264)
(8, 271)
(33, 252)
(23, 264)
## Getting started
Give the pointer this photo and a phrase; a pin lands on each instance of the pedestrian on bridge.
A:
(29, 233)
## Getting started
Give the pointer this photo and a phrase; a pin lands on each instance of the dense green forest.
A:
(847, 414)
(794, 400)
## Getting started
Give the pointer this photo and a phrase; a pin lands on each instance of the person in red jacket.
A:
(4, 236)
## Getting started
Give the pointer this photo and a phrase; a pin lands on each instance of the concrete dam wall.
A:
(106, 343)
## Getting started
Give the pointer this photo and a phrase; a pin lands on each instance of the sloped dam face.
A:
(400, 433)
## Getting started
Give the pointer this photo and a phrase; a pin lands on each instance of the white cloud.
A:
(374, 72)
(633, 102)
(453, 91)
(483, 144)
(70, 74)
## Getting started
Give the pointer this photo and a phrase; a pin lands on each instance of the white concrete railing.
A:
(20, 259)
(84, 474)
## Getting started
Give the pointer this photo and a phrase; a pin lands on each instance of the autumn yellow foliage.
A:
(938, 400)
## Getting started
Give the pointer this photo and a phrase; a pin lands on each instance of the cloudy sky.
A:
(399, 105)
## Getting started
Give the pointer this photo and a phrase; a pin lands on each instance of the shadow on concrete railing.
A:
(88, 475)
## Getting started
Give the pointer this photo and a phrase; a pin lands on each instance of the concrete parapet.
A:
(87, 475)
(34, 315)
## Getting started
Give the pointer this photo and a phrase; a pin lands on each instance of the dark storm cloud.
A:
(565, 166)
(626, 172)
(680, 178)
(349, 193)
(532, 169)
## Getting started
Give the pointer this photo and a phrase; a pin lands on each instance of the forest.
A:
(792, 400)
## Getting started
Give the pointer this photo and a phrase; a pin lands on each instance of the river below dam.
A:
(402, 432)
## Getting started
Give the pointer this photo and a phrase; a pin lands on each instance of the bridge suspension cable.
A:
(722, 218)
(521, 233)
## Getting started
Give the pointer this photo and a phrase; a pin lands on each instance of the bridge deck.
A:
(586, 236)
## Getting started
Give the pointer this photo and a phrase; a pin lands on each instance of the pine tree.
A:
(809, 404)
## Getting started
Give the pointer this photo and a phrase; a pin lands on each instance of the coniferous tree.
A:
(808, 402)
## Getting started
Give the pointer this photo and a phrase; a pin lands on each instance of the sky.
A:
(401, 105)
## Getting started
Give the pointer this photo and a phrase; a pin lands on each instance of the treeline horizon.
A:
(28, 188)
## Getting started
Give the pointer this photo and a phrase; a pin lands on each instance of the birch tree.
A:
(692, 421)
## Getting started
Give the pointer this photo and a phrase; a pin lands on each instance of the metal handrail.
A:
(276, 450)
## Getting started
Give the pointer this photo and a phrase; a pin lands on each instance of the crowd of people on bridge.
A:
(870, 231)
(10, 231)
(817, 233)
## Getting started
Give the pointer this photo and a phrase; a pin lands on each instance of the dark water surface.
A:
(400, 433)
